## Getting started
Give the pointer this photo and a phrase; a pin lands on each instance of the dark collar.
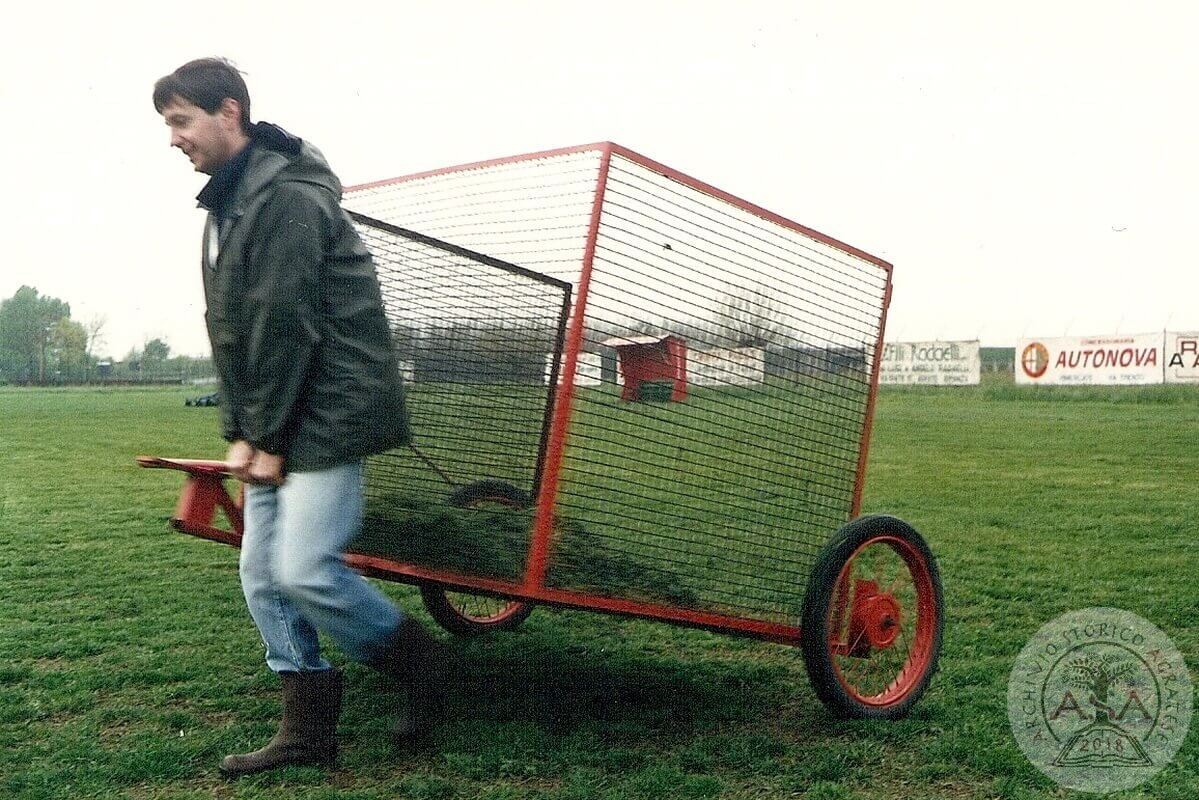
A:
(217, 193)
(222, 185)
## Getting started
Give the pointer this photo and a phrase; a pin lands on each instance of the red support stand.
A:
(203, 493)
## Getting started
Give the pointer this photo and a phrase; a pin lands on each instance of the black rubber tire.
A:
(448, 608)
(818, 599)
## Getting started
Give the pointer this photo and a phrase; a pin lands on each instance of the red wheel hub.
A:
(881, 617)
(874, 620)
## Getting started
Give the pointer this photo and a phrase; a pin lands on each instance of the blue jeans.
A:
(292, 573)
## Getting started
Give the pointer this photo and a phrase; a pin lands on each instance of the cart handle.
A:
(203, 493)
(196, 466)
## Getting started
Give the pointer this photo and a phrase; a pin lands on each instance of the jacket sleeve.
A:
(282, 308)
(230, 430)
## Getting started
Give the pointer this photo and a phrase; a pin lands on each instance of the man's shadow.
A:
(557, 680)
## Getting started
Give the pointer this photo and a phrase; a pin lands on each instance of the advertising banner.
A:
(587, 371)
(739, 366)
(1124, 359)
(1182, 358)
(930, 363)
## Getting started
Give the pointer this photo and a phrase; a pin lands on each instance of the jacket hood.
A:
(278, 155)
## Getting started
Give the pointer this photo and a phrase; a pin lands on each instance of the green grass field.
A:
(128, 664)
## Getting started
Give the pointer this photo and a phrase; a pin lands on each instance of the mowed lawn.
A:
(128, 664)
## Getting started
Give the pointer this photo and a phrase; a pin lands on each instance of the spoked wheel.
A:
(872, 619)
(465, 614)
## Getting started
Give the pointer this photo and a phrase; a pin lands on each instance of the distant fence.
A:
(156, 380)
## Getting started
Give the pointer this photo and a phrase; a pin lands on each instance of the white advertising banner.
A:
(1182, 358)
(1090, 360)
(739, 366)
(930, 363)
(587, 370)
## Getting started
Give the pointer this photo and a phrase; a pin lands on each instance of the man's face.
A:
(209, 140)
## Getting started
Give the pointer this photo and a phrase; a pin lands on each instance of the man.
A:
(309, 387)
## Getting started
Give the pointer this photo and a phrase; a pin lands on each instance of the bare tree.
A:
(94, 326)
(750, 316)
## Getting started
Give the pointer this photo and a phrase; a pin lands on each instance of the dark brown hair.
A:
(206, 82)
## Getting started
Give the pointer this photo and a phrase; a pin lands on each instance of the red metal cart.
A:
(733, 509)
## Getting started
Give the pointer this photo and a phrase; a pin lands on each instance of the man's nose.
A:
(176, 139)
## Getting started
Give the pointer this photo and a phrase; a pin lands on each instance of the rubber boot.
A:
(308, 732)
(417, 663)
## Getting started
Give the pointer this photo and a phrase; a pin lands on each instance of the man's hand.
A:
(266, 468)
(239, 457)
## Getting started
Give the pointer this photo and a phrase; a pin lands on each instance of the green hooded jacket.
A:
(300, 341)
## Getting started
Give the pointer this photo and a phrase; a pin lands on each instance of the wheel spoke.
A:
(897, 656)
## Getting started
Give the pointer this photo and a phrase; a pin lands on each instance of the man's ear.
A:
(230, 112)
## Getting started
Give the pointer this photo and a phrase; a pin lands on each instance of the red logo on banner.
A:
(1034, 360)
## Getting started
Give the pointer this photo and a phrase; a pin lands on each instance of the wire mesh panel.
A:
(724, 372)
(479, 344)
(531, 212)
(725, 450)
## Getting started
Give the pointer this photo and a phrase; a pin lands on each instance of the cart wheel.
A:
(872, 619)
(465, 614)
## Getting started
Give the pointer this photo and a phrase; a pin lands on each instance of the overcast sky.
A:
(1028, 167)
